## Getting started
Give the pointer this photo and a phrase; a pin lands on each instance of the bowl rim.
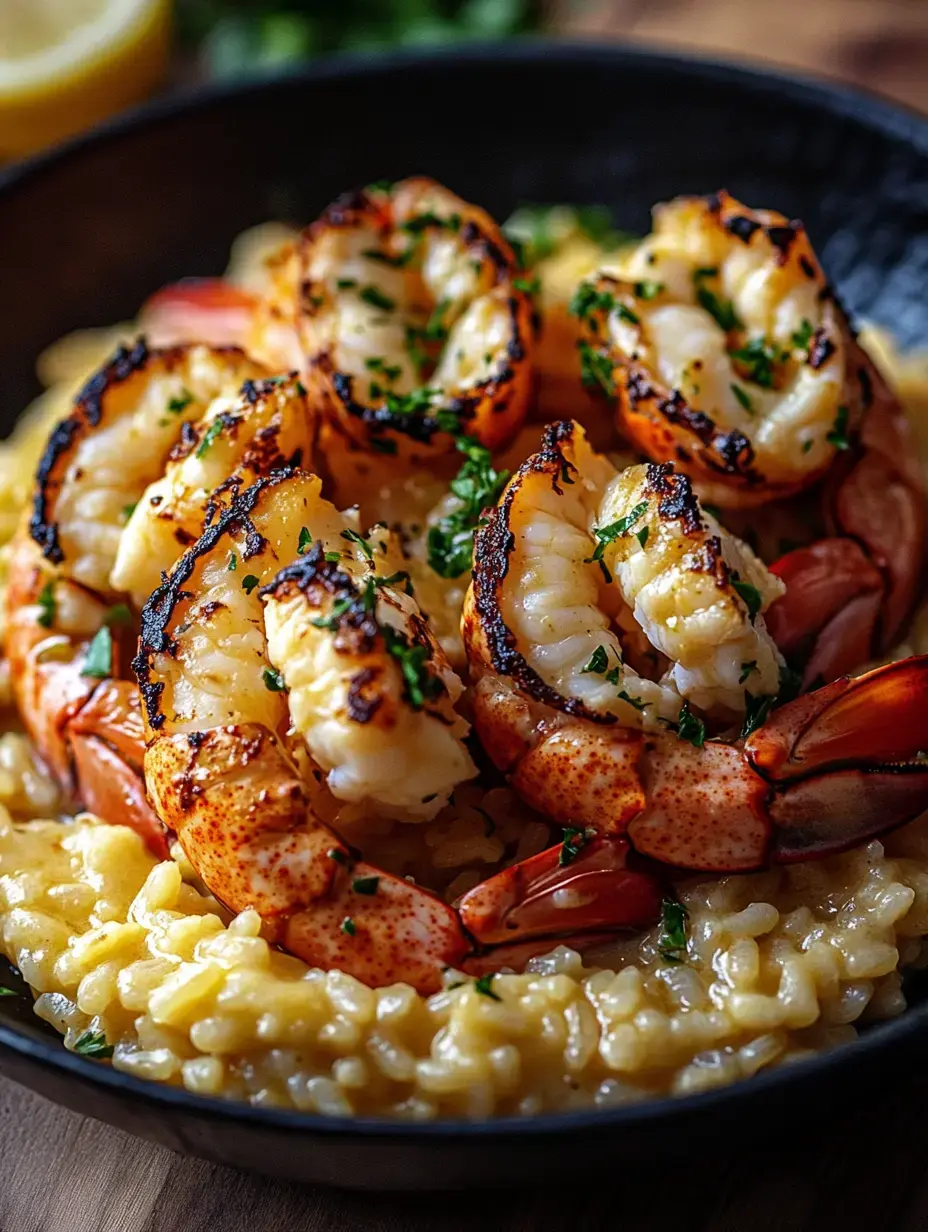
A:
(870, 110)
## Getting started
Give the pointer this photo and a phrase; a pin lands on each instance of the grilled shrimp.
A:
(412, 321)
(724, 347)
(284, 640)
(726, 350)
(97, 538)
(626, 762)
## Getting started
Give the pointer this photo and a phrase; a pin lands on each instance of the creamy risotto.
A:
(134, 962)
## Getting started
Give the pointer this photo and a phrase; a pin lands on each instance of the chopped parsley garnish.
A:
(806, 446)
(377, 363)
(208, 437)
(757, 358)
(128, 510)
(722, 311)
(305, 542)
(596, 368)
(756, 710)
(746, 669)
(93, 1044)
(627, 697)
(376, 298)
(233, 562)
(749, 595)
(648, 289)
(484, 985)
(249, 582)
(99, 660)
(7, 992)
(48, 605)
(365, 885)
(353, 537)
(608, 534)
(348, 926)
(588, 299)
(476, 485)
(395, 579)
(180, 403)
(642, 535)
(691, 728)
(336, 854)
(838, 434)
(420, 685)
(743, 398)
(333, 557)
(395, 260)
(803, 336)
(415, 226)
(274, 681)
(598, 661)
(346, 284)
(531, 286)
(671, 943)
(435, 328)
(415, 403)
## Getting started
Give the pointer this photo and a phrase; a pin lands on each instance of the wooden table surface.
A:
(60, 1172)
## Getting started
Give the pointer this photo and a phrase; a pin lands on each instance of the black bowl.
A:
(89, 231)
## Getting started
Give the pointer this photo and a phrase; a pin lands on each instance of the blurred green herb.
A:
(241, 37)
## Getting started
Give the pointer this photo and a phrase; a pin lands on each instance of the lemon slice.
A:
(67, 64)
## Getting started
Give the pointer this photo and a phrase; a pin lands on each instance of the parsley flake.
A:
(636, 702)
(47, 604)
(757, 358)
(99, 660)
(756, 710)
(671, 943)
(181, 402)
(420, 686)
(608, 534)
(348, 926)
(746, 669)
(749, 595)
(365, 885)
(249, 582)
(336, 854)
(596, 368)
(598, 661)
(208, 437)
(648, 289)
(484, 985)
(743, 398)
(93, 1044)
(233, 563)
(477, 485)
(376, 298)
(353, 537)
(803, 336)
(722, 311)
(274, 681)
(305, 542)
(691, 728)
(838, 434)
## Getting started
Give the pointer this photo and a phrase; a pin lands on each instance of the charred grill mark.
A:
(742, 227)
(807, 266)
(159, 608)
(324, 582)
(87, 412)
(707, 558)
(44, 532)
(715, 201)
(821, 350)
(364, 696)
(866, 388)
(184, 537)
(676, 499)
(124, 363)
(782, 238)
(493, 544)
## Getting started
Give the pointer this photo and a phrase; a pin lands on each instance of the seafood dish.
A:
(455, 668)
